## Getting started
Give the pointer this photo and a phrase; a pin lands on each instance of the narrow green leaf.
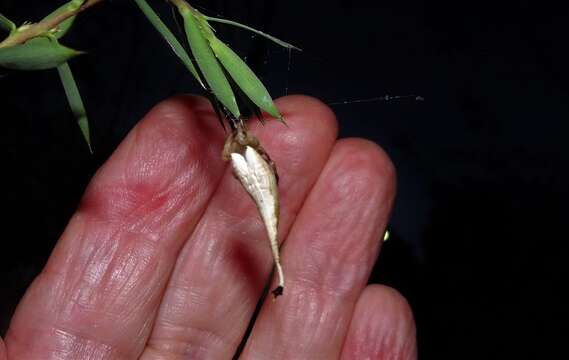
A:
(6, 24)
(258, 32)
(169, 37)
(64, 27)
(244, 77)
(36, 54)
(208, 63)
(75, 101)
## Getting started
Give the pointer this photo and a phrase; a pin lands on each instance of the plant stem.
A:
(180, 4)
(28, 32)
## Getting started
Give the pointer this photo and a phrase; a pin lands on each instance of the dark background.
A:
(478, 244)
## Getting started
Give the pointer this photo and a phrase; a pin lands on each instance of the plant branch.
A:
(27, 32)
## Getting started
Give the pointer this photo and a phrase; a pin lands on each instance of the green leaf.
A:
(169, 37)
(6, 24)
(75, 101)
(244, 77)
(64, 26)
(36, 54)
(258, 32)
(208, 63)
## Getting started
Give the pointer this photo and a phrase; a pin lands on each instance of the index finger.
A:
(98, 294)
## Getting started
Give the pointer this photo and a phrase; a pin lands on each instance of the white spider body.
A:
(259, 180)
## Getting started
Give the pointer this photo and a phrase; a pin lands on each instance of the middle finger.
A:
(223, 268)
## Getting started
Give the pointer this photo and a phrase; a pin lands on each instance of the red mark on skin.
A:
(247, 264)
(117, 202)
(170, 155)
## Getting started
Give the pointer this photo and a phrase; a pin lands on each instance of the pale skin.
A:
(166, 257)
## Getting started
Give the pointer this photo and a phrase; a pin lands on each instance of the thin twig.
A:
(30, 31)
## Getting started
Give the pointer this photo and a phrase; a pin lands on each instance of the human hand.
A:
(166, 257)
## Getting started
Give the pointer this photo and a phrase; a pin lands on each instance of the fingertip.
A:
(382, 326)
(311, 132)
(348, 209)
(291, 104)
(305, 115)
(395, 308)
(177, 139)
(362, 171)
(177, 114)
(179, 106)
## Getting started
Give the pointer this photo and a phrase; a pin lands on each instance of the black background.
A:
(478, 244)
